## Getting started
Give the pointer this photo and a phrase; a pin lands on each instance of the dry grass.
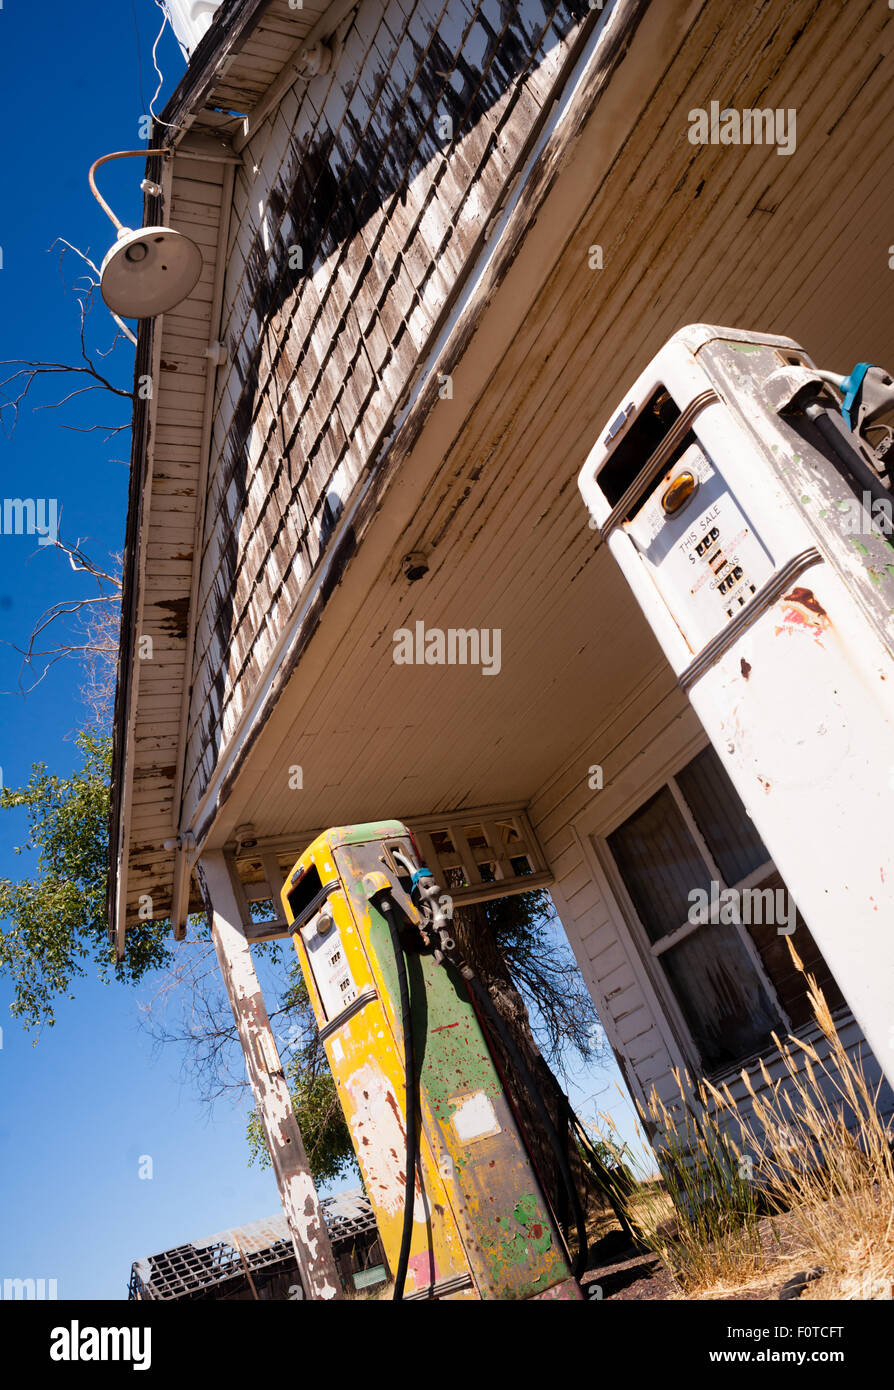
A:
(805, 1179)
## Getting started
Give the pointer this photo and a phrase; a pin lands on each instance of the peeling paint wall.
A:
(366, 197)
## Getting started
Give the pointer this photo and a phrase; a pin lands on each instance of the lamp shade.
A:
(149, 271)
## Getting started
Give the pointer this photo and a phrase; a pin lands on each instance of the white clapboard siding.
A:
(647, 738)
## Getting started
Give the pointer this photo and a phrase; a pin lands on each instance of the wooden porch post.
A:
(310, 1237)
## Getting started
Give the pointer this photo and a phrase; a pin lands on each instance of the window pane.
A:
(729, 832)
(660, 864)
(788, 982)
(721, 995)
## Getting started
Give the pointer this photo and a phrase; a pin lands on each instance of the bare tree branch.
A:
(79, 560)
(27, 372)
(84, 628)
(122, 326)
(112, 431)
(94, 640)
(18, 383)
(190, 1010)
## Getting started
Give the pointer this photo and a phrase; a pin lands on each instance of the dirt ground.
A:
(642, 1278)
(624, 1274)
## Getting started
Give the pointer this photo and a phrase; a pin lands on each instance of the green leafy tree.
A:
(53, 927)
(53, 923)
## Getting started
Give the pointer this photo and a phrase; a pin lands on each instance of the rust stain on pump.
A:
(805, 598)
(481, 1227)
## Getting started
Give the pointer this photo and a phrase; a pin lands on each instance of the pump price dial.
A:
(705, 559)
(326, 956)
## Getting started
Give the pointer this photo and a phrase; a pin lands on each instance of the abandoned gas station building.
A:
(440, 238)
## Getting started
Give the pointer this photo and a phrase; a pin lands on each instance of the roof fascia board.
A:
(143, 420)
(232, 25)
(181, 875)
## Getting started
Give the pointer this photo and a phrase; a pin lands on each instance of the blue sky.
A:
(79, 1110)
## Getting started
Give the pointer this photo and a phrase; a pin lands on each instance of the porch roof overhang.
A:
(251, 50)
(539, 349)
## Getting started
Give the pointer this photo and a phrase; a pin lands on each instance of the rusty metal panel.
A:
(481, 1227)
(186, 1270)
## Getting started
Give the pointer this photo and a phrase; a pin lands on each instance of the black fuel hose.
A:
(836, 434)
(487, 1004)
(412, 1151)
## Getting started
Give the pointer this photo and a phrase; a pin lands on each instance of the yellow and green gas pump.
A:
(460, 1210)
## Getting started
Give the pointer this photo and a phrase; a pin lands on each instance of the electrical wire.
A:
(605, 1180)
(573, 1124)
(161, 80)
(486, 1004)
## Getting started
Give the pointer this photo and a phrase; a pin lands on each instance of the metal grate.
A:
(189, 1269)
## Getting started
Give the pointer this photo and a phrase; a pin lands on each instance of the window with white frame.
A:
(723, 954)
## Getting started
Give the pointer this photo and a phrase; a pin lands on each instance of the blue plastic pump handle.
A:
(851, 388)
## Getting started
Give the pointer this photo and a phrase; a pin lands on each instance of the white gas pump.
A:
(750, 521)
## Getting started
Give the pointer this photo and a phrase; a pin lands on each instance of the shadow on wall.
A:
(342, 179)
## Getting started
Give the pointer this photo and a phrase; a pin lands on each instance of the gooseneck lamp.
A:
(148, 271)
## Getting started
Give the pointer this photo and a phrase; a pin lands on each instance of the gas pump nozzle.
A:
(429, 899)
(439, 920)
